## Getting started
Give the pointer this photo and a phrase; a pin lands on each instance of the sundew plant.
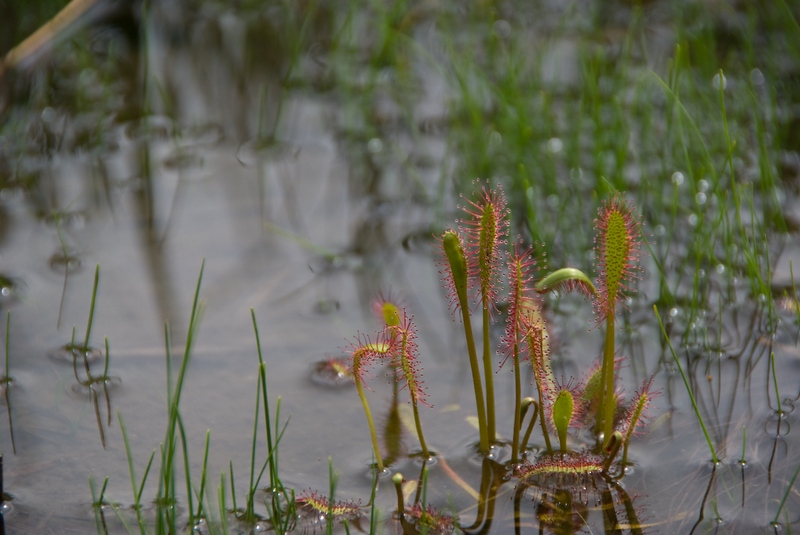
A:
(474, 257)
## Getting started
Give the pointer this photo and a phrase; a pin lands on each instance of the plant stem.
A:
(517, 406)
(372, 432)
(451, 243)
(418, 424)
(529, 431)
(786, 495)
(476, 374)
(714, 458)
(607, 401)
(91, 308)
(488, 372)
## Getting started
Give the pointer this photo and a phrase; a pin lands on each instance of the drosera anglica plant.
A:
(363, 353)
(455, 274)
(473, 262)
(470, 271)
(617, 243)
(486, 230)
(524, 330)
(407, 369)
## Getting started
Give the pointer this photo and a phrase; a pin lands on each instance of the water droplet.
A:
(702, 185)
(677, 178)
(693, 219)
(673, 312)
(61, 263)
(552, 200)
(501, 28)
(660, 230)
(48, 114)
(757, 77)
(720, 269)
(201, 526)
(69, 352)
(555, 145)
(333, 372)
(716, 81)
(700, 198)
(84, 389)
(73, 219)
(495, 139)
(375, 145)
(576, 173)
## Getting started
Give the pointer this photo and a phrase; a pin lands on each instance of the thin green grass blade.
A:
(688, 388)
(91, 307)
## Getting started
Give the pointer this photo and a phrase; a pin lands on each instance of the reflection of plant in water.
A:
(566, 490)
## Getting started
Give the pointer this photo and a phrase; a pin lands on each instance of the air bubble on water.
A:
(677, 178)
(333, 372)
(48, 114)
(660, 230)
(700, 198)
(200, 526)
(61, 263)
(375, 145)
(555, 145)
(501, 28)
(716, 81)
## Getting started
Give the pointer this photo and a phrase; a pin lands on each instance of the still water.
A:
(153, 153)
